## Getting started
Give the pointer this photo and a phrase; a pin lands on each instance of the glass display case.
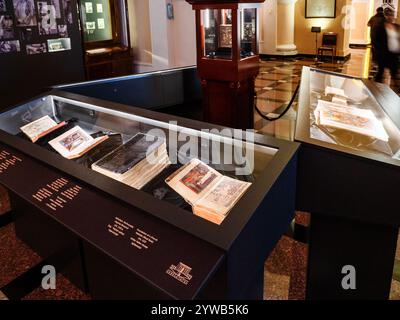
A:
(238, 157)
(217, 25)
(347, 179)
(104, 29)
(227, 59)
(97, 20)
(218, 28)
(121, 229)
(343, 112)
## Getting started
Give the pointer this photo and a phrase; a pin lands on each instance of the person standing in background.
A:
(379, 40)
(393, 43)
(377, 19)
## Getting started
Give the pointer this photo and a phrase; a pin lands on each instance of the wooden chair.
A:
(329, 42)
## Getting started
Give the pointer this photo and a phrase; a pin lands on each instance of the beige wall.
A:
(305, 40)
(139, 30)
(361, 13)
(346, 34)
(183, 34)
(157, 42)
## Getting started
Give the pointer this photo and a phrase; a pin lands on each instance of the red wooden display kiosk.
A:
(227, 59)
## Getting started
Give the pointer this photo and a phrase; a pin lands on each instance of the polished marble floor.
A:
(285, 269)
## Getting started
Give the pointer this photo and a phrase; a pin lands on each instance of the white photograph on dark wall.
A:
(88, 7)
(10, 46)
(60, 44)
(63, 31)
(25, 13)
(100, 24)
(3, 7)
(91, 25)
(47, 19)
(6, 27)
(67, 7)
(36, 48)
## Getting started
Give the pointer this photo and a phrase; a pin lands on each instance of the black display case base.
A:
(336, 243)
(125, 243)
(54, 243)
(110, 280)
(107, 279)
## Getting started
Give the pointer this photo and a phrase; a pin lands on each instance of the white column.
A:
(285, 27)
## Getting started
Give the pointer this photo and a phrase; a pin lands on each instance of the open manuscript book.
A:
(211, 194)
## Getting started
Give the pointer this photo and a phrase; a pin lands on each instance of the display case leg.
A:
(256, 289)
(5, 219)
(349, 259)
(48, 238)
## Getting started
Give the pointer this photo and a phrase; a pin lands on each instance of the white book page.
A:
(350, 118)
(223, 196)
(37, 127)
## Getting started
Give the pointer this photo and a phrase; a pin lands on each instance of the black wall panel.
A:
(24, 75)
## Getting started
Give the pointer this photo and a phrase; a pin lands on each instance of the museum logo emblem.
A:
(180, 272)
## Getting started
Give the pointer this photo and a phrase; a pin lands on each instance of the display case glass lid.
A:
(342, 112)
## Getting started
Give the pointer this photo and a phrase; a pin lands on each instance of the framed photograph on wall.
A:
(320, 9)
